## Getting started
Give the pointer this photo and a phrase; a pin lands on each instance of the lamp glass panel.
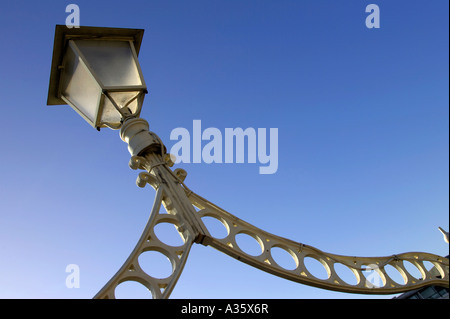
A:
(78, 86)
(131, 99)
(112, 61)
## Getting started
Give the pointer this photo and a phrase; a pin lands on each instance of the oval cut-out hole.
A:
(155, 264)
(168, 234)
(215, 227)
(372, 277)
(248, 244)
(132, 290)
(284, 258)
(394, 274)
(345, 274)
(316, 268)
(412, 269)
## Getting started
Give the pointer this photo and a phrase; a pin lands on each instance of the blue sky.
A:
(362, 118)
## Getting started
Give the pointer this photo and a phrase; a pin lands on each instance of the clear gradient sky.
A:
(363, 127)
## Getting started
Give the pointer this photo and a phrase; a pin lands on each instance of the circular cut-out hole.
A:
(316, 268)
(394, 274)
(346, 274)
(248, 244)
(412, 269)
(155, 264)
(372, 277)
(168, 234)
(283, 258)
(215, 227)
(132, 290)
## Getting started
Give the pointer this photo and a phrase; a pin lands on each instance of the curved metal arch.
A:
(359, 266)
(160, 288)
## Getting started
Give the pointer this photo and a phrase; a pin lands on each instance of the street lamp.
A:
(96, 72)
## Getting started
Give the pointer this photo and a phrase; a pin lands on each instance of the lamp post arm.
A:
(370, 273)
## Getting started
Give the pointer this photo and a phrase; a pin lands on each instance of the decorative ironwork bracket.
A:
(180, 203)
